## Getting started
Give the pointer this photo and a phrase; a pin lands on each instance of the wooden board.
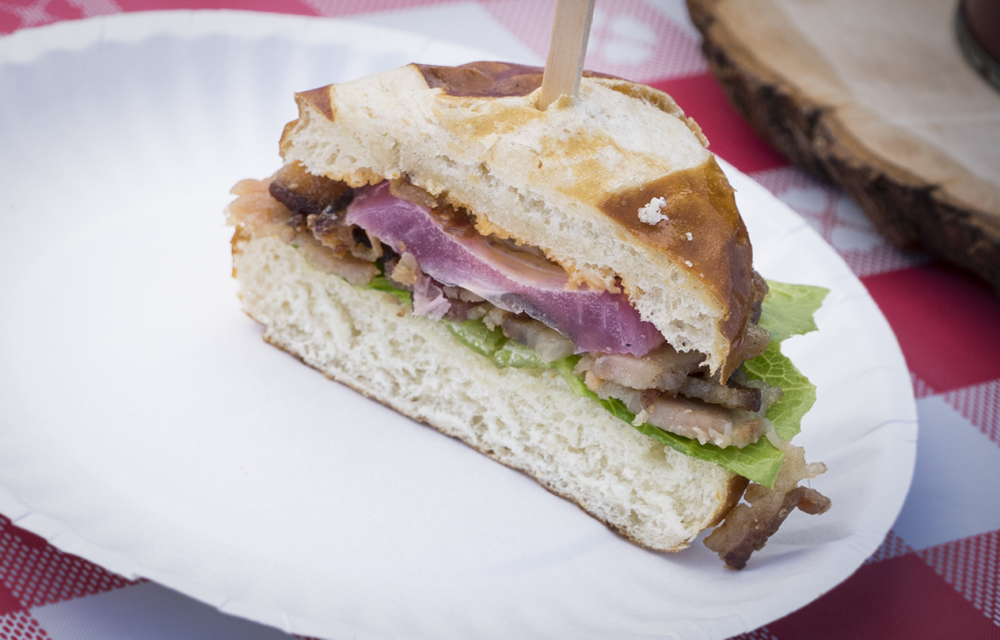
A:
(877, 98)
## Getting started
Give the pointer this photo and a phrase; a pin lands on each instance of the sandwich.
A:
(569, 291)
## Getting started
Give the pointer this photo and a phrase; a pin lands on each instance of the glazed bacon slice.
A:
(747, 527)
(306, 194)
(255, 212)
(672, 391)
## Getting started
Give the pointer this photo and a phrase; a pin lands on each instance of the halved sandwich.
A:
(569, 291)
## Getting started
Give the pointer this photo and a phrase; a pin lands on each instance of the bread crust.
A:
(564, 180)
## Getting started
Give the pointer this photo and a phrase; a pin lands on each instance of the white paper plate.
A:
(145, 426)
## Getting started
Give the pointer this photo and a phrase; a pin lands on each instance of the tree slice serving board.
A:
(877, 98)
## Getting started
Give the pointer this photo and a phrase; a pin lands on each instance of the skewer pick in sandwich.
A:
(569, 291)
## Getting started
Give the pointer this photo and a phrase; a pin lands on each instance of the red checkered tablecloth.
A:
(937, 574)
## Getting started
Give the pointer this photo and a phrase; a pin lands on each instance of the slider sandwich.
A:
(568, 291)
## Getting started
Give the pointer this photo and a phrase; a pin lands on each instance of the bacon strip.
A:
(748, 526)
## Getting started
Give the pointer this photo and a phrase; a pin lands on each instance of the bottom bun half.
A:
(527, 419)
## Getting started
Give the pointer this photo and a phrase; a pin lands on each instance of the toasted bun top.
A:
(570, 180)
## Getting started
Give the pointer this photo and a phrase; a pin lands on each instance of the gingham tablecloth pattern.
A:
(936, 573)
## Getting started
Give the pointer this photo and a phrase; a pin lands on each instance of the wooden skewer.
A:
(567, 49)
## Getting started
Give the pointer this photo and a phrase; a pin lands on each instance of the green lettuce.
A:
(381, 283)
(788, 310)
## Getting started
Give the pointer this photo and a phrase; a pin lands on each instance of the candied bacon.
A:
(330, 229)
(678, 373)
(731, 395)
(403, 189)
(747, 527)
(760, 290)
(663, 368)
(306, 194)
(454, 222)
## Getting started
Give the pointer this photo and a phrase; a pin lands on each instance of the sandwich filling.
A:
(395, 237)
(639, 291)
(433, 251)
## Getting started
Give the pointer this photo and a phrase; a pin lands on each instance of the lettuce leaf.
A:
(381, 283)
(788, 310)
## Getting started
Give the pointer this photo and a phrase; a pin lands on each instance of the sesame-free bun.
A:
(570, 180)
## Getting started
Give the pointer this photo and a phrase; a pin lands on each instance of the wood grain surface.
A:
(897, 118)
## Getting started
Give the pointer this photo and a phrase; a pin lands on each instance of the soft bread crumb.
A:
(366, 339)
